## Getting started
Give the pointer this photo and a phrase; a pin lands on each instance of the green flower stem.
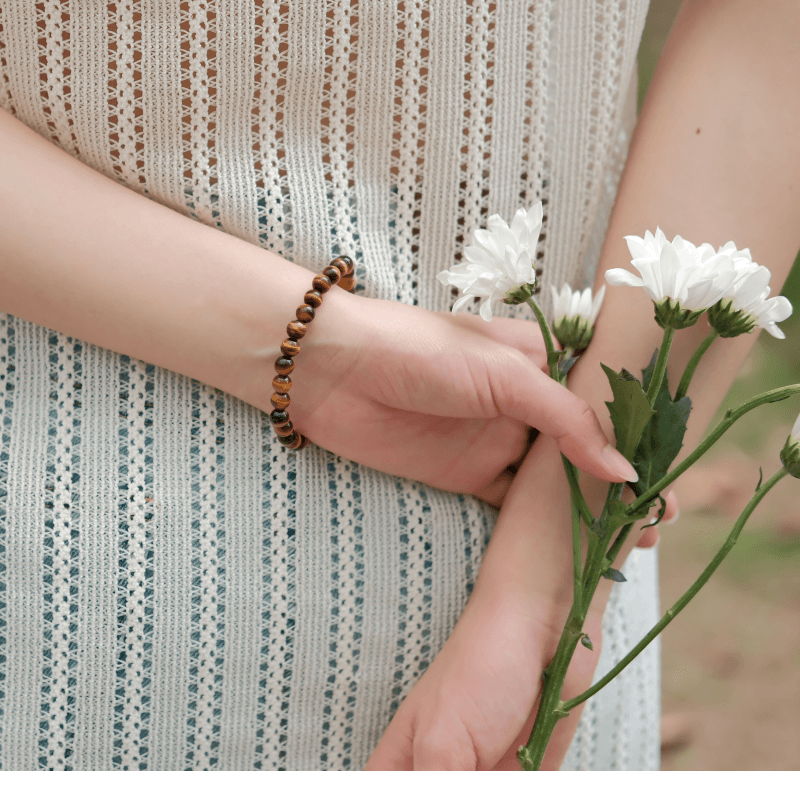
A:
(577, 600)
(661, 366)
(687, 596)
(613, 551)
(530, 755)
(731, 415)
(683, 386)
(577, 497)
(552, 354)
(550, 705)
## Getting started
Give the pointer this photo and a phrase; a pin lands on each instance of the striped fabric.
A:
(177, 591)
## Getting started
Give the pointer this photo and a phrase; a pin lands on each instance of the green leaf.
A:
(614, 575)
(662, 437)
(629, 410)
(587, 642)
(661, 512)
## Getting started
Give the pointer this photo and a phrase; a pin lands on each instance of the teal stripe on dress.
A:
(202, 739)
(26, 499)
(56, 723)
(7, 393)
(347, 608)
(172, 579)
(244, 503)
(98, 454)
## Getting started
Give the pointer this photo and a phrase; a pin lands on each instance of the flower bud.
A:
(790, 455)
(574, 332)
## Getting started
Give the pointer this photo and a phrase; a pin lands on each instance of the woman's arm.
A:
(398, 388)
(715, 157)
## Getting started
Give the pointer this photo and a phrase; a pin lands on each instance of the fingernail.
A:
(674, 519)
(618, 464)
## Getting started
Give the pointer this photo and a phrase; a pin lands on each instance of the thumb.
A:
(523, 392)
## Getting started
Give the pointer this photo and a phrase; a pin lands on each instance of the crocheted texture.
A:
(177, 590)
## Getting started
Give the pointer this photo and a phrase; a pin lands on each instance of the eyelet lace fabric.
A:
(178, 591)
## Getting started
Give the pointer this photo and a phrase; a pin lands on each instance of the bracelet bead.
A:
(279, 417)
(305, 313)
(343, 264)
(290, 347)
(280, 383)
(285, 429)
(296, 329)
(284, 365)
(289, 440)
(322, 283)
(279, 401)
(313, 298)
(332, 274)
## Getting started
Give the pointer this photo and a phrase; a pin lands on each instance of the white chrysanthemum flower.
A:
(574, 315)
(747, 304)
(498, 262)
(790, 455)
(681, 279)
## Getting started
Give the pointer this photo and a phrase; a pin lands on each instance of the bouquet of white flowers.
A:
(683, 281)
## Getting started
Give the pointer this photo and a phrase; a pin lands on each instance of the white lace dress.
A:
(178, 591)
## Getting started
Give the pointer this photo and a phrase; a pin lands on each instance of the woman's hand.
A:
(476, 703)
(443, 399)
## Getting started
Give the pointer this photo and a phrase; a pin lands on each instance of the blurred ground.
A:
(731, 660)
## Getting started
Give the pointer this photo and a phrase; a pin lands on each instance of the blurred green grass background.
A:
(731, 661)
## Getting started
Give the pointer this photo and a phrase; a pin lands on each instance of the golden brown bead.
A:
(302, 441)
(321, 283)
(290, 347)
(278, 417)
(292, 439)
(343, 263)
(296, 329)
(280, 401)
(280, 383)
(332, 274)
(305, 313)
(284, 365)
(314, 299)
(348, 282)
(285, 429)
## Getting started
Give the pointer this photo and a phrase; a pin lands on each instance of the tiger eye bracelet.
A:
(339, 271)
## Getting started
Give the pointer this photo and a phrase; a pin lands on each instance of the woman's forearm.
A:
(715, 157)
(88, 257)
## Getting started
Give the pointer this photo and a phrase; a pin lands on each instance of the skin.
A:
(715, 157)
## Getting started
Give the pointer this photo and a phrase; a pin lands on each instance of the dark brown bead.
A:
(279, 417)
(280, 383)
(290, 347)
(343, 263)
(284, 365)
(332, 274)
(296, 329)
(302, 441)
(321, 283)
(292, 439)
(285, 429)
(304, 313)
(280, 401)
(313, 299)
